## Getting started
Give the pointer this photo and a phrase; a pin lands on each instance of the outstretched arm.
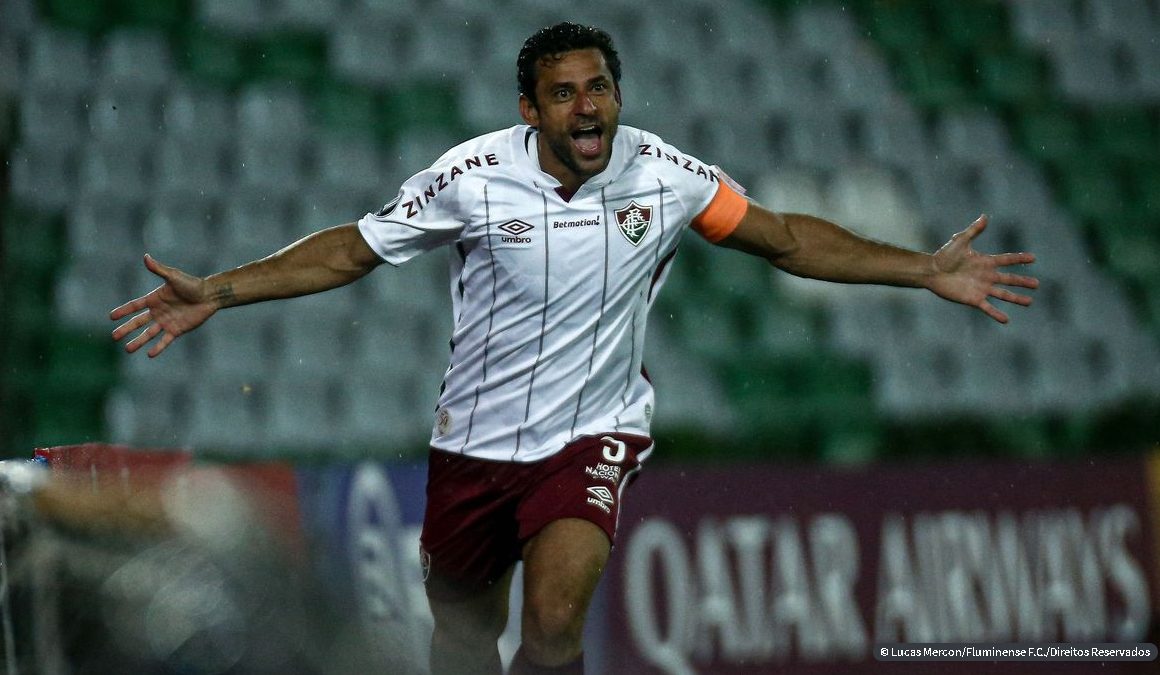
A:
(812, 247)
(318, 262)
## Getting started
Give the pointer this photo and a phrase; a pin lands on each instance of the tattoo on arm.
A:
(223, 295)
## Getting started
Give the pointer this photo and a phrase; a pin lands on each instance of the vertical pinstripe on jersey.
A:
(644, 307)
(599, 315)
(543, 327)
(490, 319)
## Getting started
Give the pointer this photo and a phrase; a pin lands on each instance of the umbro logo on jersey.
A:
(633, 221)
(515, 230)
(601, 497)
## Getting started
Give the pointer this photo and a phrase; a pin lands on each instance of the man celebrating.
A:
(563, 231)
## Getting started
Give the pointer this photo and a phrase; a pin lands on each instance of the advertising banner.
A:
(760, 569)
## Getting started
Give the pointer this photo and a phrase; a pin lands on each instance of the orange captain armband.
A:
(722, 215)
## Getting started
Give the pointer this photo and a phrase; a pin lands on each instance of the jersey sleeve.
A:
(720, 217)
(427, 213)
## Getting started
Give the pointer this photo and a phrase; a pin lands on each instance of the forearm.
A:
(823, 250)
(319, 262)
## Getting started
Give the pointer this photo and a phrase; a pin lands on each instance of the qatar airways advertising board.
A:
(771, 570)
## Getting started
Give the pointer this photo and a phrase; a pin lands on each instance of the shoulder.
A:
(490, 151)
(652, 154)
(454, 180)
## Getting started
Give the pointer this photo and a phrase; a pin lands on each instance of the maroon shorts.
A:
(480, 513)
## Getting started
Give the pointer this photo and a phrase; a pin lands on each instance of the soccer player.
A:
(562, 231)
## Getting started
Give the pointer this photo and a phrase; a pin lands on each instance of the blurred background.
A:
(213, 132)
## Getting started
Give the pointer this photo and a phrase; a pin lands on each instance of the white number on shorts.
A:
(615, 450)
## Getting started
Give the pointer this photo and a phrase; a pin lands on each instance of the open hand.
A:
(170, 310)
(971, 278)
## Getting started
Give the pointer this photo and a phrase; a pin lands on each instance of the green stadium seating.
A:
(1050, 134)
(347, 109)
(935, 76)
(215, 58)
(163, 14)
(1128, 132)
(972, 27)
(899, 26)
(1011, 76)
(296, 57)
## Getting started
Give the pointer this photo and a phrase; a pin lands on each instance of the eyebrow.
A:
(591, 81)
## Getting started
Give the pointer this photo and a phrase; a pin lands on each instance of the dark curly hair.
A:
(553, 41)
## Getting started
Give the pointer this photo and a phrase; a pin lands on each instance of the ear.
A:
(619, 102)
(529, 112)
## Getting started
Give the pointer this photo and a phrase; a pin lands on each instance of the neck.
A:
(551, 165)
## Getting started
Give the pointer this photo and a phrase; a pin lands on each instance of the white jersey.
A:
(549, 295)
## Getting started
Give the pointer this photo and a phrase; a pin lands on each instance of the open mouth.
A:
(589, 140)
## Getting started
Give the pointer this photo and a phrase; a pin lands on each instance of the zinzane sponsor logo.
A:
(601, 498)
(515, 230)
(413, 206)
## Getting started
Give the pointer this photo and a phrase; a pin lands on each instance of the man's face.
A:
(577, 109)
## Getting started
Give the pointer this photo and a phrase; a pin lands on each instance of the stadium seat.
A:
(895, 135)
(179, 230)
(823, 29)
(227, 415)
(1044, 22)
(242, 344)
(51, 117)
(348, 164)
(115, 170)
(213, 56)
(60, 60)
(1012, 76)
(273, 111)
(17, 17)
(272, 166)
(790, 190)
(1051, 133)
(1120, 19)
(974, 136)
(1089, 70)
(135, 57)
(104, 230)
(317, 336)
(239, 17)
(44, 175)
(870, 201)
(389, 412)
(304, 14)
(1015, 187)
(125, 115)
(298, 58)
(198, 113)
(359, 55)
(899, 26)
(302, 414)
(88, 289)
(189, 168)
(254, 225)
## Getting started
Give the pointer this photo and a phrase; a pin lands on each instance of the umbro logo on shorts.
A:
(601, 497)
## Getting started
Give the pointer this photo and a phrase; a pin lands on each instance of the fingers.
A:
(976, 228)
(1014, 298)
(1008, 259)
(1017, 280)
(131, 325)
(157, 268)
(128, 308)
(143, 338)
(990, 311)
(164, 342)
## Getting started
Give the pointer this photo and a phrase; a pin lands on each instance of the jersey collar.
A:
(528, 155)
